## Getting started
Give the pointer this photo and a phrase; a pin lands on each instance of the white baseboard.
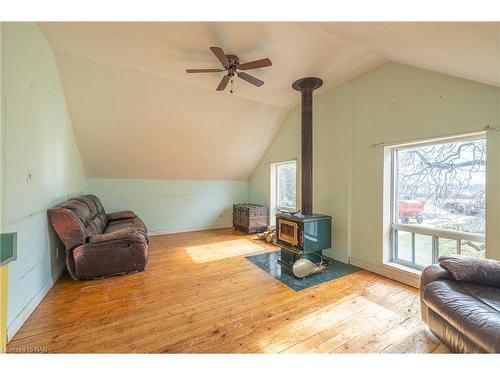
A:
(408, 277)
(25, 313)
(190, 229)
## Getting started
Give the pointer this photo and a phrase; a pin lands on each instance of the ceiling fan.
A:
(231, 64)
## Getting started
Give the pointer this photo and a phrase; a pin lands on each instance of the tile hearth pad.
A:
(269, 262)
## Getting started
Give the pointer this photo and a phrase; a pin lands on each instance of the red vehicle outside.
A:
(411, 210)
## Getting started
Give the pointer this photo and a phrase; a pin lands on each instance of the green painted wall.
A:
(173, 206)
(38, 141)
(394, 103)
(397, 103)
(331, 154)
(285, 147)
(4, 270)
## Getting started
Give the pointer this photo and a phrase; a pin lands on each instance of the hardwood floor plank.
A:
(338, 334)
(440, 349)
(200, 294)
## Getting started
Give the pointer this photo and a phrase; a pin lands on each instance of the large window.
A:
(283, 187)
(438, 200)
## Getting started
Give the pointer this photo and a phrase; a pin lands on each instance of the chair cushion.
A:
(472, 317)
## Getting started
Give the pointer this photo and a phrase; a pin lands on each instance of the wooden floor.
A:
(200, 295)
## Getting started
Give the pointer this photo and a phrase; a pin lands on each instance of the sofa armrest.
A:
(120, 215)
(432, 273)
(472, 270)
(114, 257)
(124, 235)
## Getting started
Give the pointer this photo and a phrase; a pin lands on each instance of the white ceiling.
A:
(469, 50)
(137, 114)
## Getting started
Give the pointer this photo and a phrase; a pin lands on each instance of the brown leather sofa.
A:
(460, 302)
(99, 244)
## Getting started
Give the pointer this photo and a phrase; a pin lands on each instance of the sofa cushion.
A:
(90, 204)
(97, 220)
(472, 270)
(88, 212)
(119, 235)
(82, 212)
(486, 294)
(119, 225)
(134, 223)
(453, 339)
(100, 207)
(120, 215)
(473, 318)
(139, 225)
(68, 226)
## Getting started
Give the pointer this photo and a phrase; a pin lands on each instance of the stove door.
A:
(288, 232)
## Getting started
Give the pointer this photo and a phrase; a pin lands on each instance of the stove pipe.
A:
(306, 86)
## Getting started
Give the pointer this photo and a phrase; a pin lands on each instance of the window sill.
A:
(402, 267)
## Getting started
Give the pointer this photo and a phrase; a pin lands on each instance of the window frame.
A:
(276, 187)
(420, 229)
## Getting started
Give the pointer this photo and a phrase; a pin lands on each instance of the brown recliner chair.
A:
(460, 302)
(99, 244)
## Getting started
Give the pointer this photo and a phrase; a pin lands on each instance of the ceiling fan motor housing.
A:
(233, 60)
(231, 65)
(234, 63)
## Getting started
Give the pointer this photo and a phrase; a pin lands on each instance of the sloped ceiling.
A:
(469, 50)
(137, 114)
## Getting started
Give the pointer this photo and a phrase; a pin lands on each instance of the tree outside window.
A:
(440, 186)
(286, 180)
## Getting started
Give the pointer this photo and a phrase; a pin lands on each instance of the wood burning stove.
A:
(304, 234)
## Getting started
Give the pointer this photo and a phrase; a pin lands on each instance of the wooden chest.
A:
(250, 218)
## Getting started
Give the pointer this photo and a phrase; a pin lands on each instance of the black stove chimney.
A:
(306, 86)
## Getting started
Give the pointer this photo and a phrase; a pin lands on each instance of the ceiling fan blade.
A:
(223, 83)
(256, 64)
(219, 53)
(247, 77)
(203, 70)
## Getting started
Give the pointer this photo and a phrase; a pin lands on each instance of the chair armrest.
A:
(472, 270)
(120, 215)
(125, 234)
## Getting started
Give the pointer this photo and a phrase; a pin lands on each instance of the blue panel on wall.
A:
(8, 248)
